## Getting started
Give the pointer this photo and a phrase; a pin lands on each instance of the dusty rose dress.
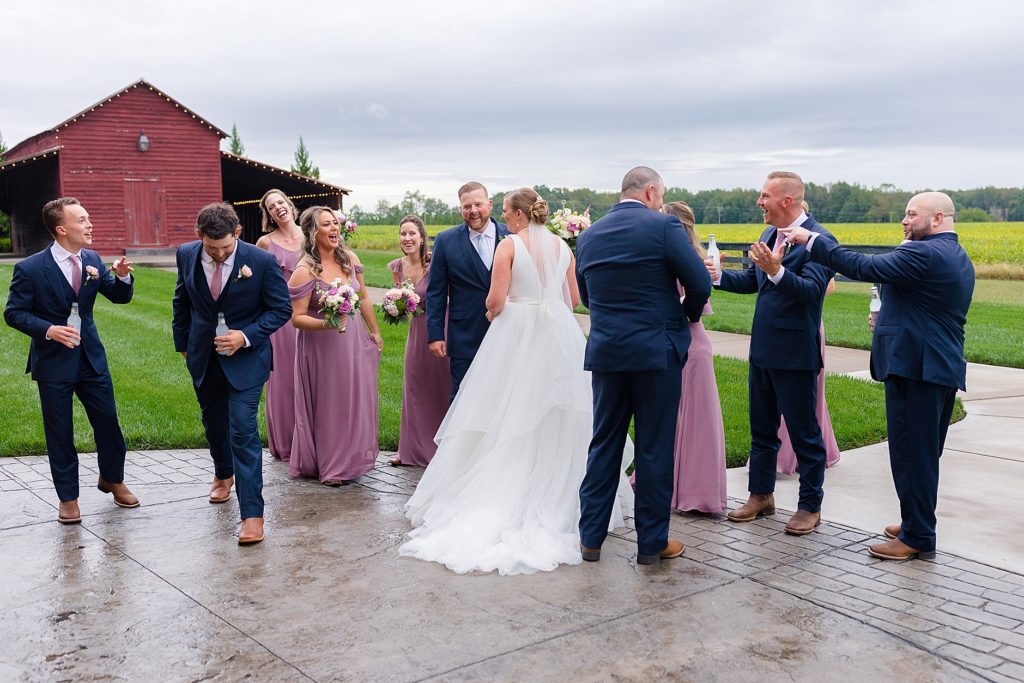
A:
(426, 387)
(280, 407)
(786, 463)
(700, 434)
(336, 409)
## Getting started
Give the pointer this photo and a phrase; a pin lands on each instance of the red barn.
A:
(143, 165)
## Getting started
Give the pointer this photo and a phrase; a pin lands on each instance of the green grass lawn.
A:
(158, 408)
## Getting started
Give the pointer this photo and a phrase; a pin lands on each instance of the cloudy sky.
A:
(392, 95)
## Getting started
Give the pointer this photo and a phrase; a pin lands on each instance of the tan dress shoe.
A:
(220, 490)
(123, 497)
(68, 512)
(757, 505)
(803, 523)
(251, 531)
(673, 549)
(898, 550)
(590, 554)
(892, 531)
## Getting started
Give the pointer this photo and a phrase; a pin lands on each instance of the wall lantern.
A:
(143, 143)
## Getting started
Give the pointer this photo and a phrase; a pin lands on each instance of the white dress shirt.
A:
(63, 258)
(782, 269)
(483, 242)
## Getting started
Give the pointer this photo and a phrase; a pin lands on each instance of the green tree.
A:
(235, 145)
(302, 165)
(5, 220)
(972, 214)
(3, 146)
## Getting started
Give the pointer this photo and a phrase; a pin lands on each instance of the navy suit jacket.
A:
(926, 290)
(458, 288)
(41, 296)
(257, 306)
(785, 334)
(627, 266)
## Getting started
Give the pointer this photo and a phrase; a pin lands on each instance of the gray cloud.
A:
(397, 94)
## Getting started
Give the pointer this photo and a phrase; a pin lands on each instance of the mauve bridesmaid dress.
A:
(336, 409)
(426, 387)
(280, 407)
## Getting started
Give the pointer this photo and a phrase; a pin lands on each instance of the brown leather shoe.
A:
(123, 497)
(898, 550)
(757, 505)
(251, 531)
(892, 531)
(68, 512)
(220, 489)
(590, 554)
(673, 549)
(802, 523)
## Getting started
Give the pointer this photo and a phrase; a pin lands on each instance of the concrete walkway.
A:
(163, 592)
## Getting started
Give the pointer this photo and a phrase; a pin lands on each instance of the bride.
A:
(502, 492)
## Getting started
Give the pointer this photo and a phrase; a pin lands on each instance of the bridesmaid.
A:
(284, 241)
(786, 463)
(336, 411)
(427, 384)
(700, 433)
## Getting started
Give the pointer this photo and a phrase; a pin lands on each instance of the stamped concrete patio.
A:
(163, 593)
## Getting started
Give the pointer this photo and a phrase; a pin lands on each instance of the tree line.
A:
(839, 202)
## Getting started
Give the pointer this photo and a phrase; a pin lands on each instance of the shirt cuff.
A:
(127, 279)
(717, 281)
(247, 344)
(778, 276)
(810, 240)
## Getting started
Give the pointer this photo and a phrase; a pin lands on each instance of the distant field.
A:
(997, 249)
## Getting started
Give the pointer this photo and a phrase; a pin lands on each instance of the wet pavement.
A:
(163, 592)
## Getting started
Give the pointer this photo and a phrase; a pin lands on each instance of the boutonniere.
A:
(91, 273)
(244, 273)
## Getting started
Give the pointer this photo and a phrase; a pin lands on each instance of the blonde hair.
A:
(527, 200)
(309, 221)
(684, 213)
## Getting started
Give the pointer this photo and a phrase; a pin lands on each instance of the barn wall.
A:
(100, 153)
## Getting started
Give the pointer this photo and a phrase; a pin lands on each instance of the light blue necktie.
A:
(481, 248)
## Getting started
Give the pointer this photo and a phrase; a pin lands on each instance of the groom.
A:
(460, 277)
(220, 274)
(627, 265)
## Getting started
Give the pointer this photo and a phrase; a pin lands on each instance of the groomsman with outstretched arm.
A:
(221, 275)
(918, 351)
(66, 360)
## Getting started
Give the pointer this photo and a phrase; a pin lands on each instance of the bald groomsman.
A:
(917, 350)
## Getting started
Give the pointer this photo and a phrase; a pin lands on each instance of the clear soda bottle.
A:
(222, 329)
(75, 320)
(714, 254)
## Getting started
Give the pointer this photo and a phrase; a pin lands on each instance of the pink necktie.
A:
(215, 283)
(76, 274)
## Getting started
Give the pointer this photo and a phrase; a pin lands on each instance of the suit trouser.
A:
(96, 392)
(794, 395)
(459, 368)
(653, 398)
(232, 432)
(917, 416)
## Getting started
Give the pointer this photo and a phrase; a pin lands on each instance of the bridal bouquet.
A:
(337, 301)
(348, 227)
(401, 303)
(568, 224)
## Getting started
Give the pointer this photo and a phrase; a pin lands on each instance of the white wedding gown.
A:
(502, 491)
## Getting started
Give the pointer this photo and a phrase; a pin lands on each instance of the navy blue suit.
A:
(627, 266)
(40, 297)
(229, 387)
(918, 351)
(457, 293)
(785, 358)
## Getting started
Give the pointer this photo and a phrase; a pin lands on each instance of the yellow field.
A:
(986, 243)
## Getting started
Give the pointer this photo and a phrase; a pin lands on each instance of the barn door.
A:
(144, 211)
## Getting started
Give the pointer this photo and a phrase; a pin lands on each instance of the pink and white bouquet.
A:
(568, 224)
(347, 226)
(336, 302)
(401, 303)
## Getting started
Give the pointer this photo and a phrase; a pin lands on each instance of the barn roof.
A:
(13, 163)
(141, 83)
(246, 180)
